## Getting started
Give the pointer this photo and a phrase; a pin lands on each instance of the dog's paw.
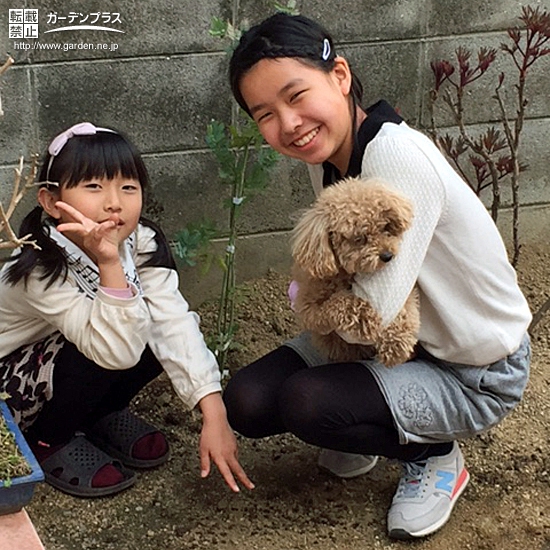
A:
(358, 332)
(366, 327)
(395, 349)
(393, 357)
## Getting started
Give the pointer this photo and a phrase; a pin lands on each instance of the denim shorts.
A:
(433, 400)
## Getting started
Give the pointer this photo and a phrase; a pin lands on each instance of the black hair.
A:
(83, 157)
(283, 35)
(101, 155)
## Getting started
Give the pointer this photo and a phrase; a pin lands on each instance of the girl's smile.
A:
(302, 111)
(307, 138)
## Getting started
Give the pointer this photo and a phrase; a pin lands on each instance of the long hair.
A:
(283, 35)
(84, 157)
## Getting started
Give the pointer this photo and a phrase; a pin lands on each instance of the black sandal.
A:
(72, 468)
(117, 433)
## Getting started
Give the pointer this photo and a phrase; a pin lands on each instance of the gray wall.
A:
(167, 79)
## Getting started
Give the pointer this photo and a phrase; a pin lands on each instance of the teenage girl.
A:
(93, 315)
(472, 362)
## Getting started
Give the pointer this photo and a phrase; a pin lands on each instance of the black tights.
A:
(84, 392)
(337, 406)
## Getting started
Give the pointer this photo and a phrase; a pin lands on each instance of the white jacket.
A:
(113, 332)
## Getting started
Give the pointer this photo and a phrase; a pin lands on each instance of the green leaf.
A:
(193, 241)
(289, 9)
(218, 27)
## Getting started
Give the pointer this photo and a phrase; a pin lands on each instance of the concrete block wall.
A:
(166, 80)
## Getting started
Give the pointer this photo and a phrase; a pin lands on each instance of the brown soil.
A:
(296, 506)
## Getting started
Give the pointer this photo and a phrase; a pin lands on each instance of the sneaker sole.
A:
(401, 534)
(353, 473)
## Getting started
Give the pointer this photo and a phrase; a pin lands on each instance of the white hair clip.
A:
(326, 49)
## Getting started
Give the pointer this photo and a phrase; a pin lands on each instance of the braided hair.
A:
(283, 35)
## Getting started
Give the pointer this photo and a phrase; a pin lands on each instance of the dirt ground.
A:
(297, 506)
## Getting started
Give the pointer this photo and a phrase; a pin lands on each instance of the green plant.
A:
(12, 462)
(193, 243)
(289, 8)
(244, 163)
(494, 155)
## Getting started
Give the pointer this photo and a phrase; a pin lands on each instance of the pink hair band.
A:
(81, 129)
(57, 144)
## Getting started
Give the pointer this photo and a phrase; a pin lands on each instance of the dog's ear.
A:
(399, 213)
(311, 247)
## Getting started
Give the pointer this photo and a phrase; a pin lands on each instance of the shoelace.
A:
(411, 482)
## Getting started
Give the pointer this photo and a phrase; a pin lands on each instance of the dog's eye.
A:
(359, 240)
(390, 228)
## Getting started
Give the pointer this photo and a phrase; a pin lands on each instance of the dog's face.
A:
(355, 226)
(366, 243)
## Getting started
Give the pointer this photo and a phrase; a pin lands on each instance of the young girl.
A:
(92, 316)
(471, 366)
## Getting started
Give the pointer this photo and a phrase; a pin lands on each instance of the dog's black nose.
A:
(386, 256)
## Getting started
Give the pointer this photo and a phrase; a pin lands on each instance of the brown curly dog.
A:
(355, 226)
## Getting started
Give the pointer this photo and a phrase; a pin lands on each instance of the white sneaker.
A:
(346, 465)
(426, 495)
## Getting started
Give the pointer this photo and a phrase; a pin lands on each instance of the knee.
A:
(302, 411)
(246, 407)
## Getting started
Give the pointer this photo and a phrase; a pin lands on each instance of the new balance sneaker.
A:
(346, 465)
(426, 495)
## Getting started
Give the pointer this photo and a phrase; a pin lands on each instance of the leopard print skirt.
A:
(26, 377)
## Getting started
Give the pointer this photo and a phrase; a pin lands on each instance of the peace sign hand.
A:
(100, 240)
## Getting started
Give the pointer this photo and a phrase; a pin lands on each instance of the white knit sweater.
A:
(471, 308)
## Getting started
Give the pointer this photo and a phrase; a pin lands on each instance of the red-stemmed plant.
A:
(492, 157)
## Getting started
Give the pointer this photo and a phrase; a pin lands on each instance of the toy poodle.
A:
(355, 226)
